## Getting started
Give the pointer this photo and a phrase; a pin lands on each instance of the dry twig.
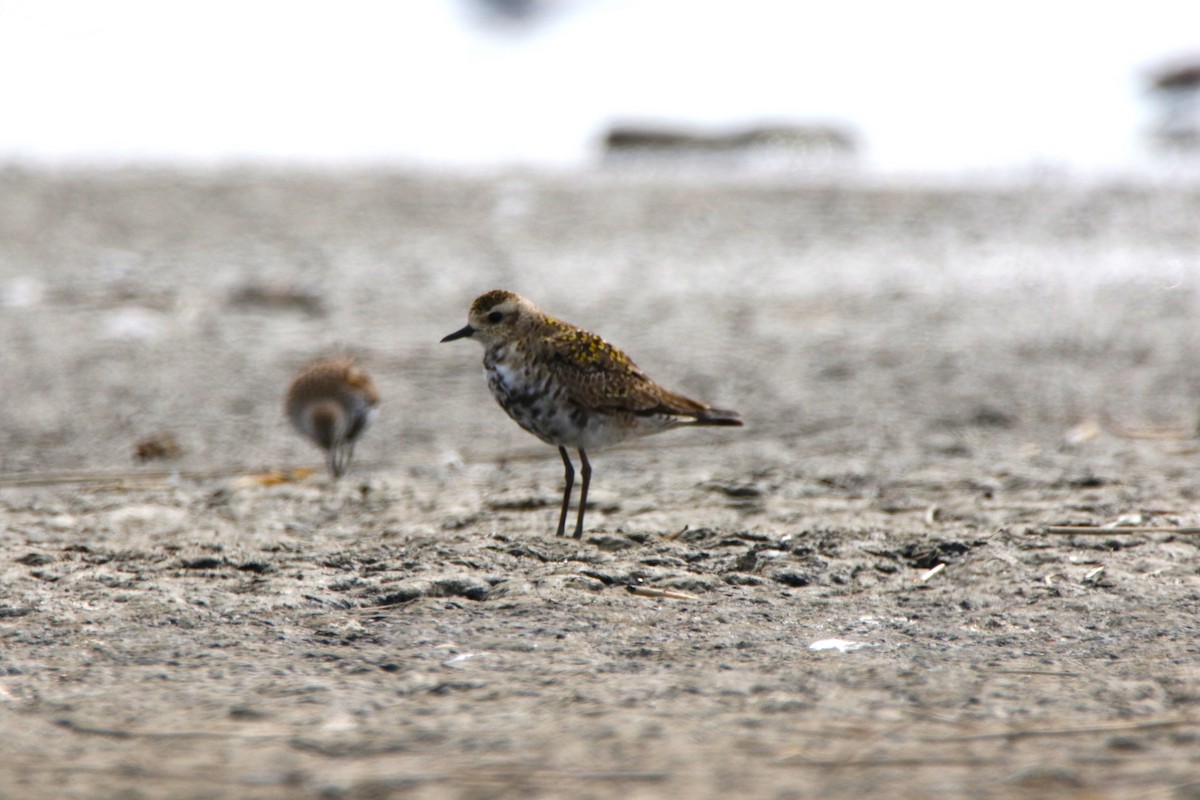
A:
(1026, 733)
(1154, 434)
(861, 763)
(1101, 530)
(670, 594)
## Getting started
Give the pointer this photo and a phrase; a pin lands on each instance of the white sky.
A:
(930, 85)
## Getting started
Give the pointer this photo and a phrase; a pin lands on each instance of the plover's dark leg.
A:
(569, 476)
(586, 469)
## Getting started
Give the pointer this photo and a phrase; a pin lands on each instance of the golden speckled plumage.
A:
(489, 300)
(332, 401)
(597, 375)
(569, 387)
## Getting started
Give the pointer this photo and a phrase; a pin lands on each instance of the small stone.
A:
(792, 578)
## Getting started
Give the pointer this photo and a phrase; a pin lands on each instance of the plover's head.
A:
(497, 316)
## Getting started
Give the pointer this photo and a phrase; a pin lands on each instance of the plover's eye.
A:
(495, 316)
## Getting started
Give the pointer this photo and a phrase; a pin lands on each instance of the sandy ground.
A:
(863, 596)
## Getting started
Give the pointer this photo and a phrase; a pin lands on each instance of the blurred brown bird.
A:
(332, 401)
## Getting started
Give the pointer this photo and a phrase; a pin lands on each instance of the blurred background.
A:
(772, 206)
(924, 87)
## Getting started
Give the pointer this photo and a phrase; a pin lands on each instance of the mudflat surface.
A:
(856, 595)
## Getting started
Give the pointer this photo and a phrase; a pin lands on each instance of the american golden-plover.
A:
(569, 387)
(332, 401)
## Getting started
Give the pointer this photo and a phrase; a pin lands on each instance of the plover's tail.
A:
(687, 411)
(716, 416)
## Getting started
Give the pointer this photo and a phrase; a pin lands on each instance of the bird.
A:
(332, 401)
(571, 388)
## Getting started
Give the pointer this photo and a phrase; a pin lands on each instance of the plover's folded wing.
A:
(598, 376)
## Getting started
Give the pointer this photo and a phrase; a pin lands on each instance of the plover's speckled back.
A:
(569, 387)
(332, 401)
